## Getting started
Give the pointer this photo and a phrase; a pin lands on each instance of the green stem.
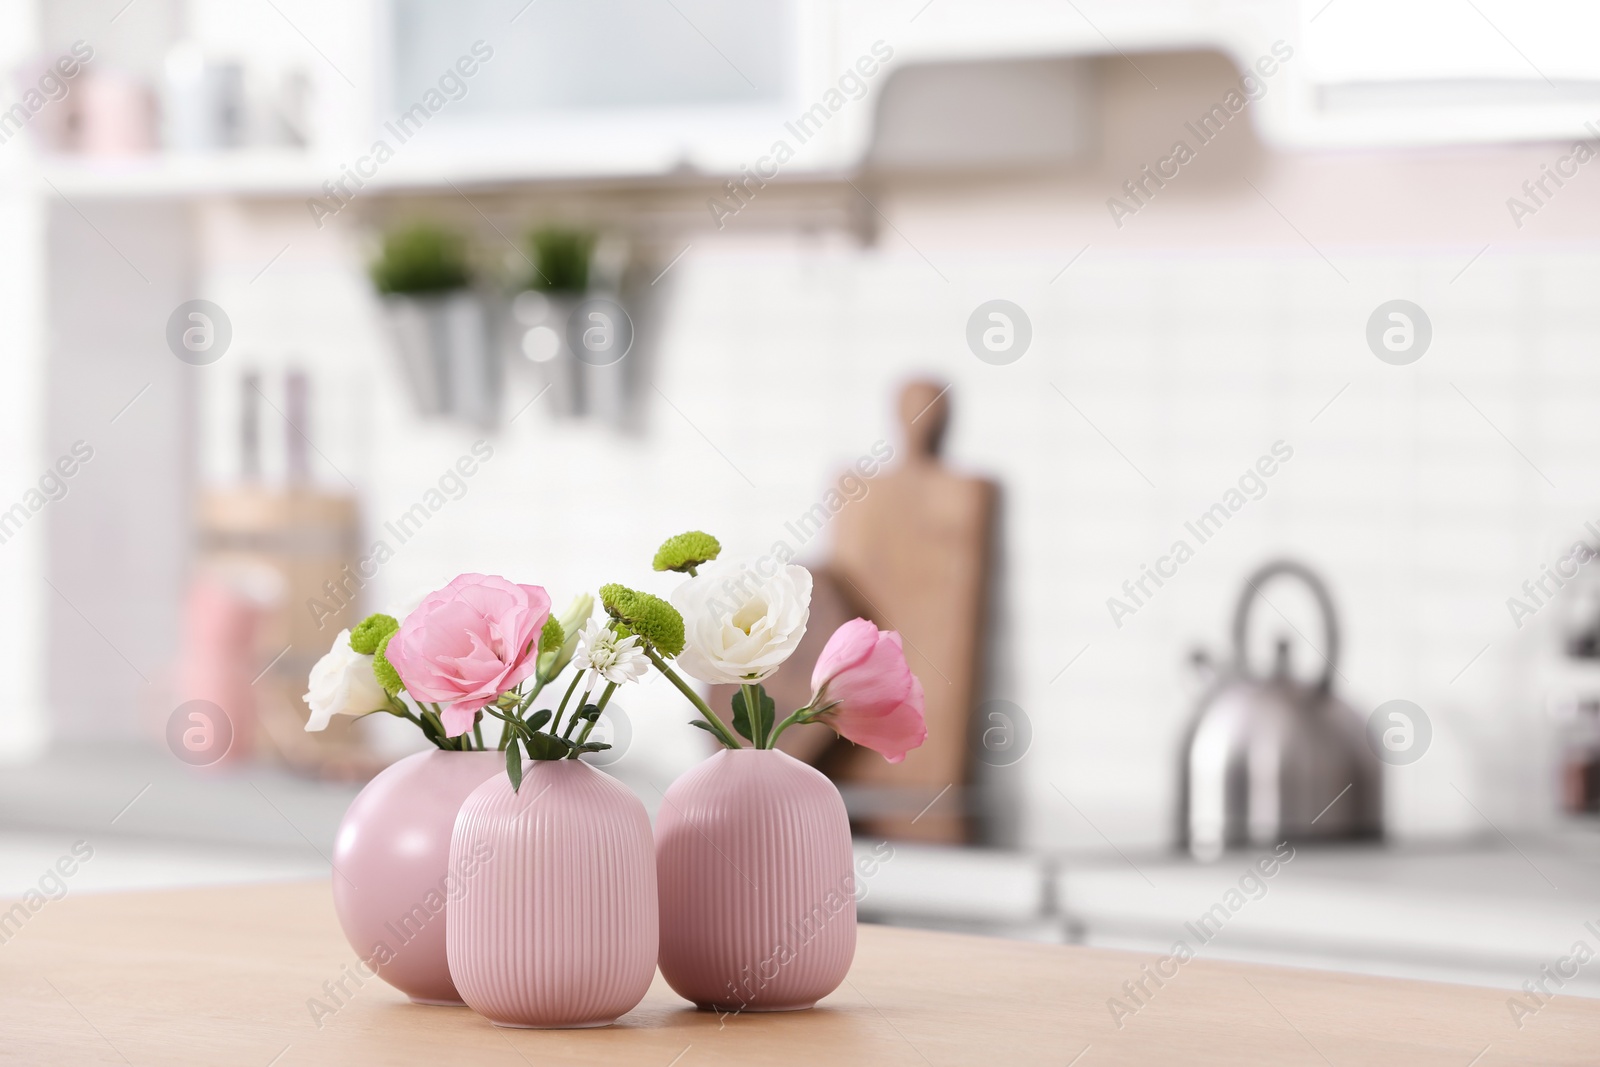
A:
(605, 698)
(398, 707)
(505, 731)
(555, 720)
(431, 729)
(527, 702)
(752, 714)
(447, 743)
(477, 732)
(683, 687)
(798, 716)
(572, 723)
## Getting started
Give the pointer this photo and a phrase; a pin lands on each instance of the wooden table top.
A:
(226, 977)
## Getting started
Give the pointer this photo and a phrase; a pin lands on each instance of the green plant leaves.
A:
(432, 734)
(514, 765)
(708, 728)
(423, 259)
(538, 719)
(756, 727)
(563, 257)
(548, 747)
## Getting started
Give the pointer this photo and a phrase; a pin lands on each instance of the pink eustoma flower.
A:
(469, 642)
(870, 694)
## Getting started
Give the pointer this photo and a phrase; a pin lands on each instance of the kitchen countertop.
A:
(1490, 911)
(227, 975)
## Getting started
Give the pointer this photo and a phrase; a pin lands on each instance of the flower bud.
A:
(553, 661)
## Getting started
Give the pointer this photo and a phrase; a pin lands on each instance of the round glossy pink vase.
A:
(758, 907)
(559, 926)
(392, 870)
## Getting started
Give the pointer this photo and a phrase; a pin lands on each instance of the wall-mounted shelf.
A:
(285, 174)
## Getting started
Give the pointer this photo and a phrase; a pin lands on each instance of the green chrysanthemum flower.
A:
(648, 616)
(383, 670)
(686, 551)
(372, 629)
(552, 636)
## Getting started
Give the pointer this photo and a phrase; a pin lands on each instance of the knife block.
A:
(310, 540)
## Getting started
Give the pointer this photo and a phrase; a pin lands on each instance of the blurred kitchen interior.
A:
(963, 152)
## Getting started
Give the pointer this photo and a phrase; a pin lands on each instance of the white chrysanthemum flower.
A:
(609, 655)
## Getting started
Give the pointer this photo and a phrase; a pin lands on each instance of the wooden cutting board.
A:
(915, 553)
(911, 553)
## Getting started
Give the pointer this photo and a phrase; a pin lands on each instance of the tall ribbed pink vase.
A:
(758, 907)
(559, 926)
(392, 876)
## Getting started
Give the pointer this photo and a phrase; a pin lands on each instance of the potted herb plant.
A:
(557, 279)
(439, 322)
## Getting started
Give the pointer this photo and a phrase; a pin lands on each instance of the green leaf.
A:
(708, 728)
(430, 733)
(741, 717)
(548, 747)
(591, 712)
(538, 719)
(592, 746)
(766, 713)
(514, 766)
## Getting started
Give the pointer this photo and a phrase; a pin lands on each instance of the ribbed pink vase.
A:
(559, 926)
(758, 907)
(392, 871)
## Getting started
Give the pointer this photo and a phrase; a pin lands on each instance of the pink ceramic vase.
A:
(758, 907)
(558, 928)
(392, 868)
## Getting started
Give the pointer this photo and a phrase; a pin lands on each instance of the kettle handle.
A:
(1252, 590)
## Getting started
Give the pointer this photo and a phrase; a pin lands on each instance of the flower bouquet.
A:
(456, 879)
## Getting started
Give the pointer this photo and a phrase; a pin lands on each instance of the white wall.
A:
(22, 416)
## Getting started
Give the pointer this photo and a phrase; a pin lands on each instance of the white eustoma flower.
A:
(342, 683)
(611, 656)
(739, 625)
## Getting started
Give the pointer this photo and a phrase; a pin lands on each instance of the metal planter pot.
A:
(450, 364)
(580, 345)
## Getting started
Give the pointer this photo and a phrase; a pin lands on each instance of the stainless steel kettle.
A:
(1267, 758)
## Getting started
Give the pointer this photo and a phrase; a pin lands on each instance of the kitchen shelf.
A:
(293, 175)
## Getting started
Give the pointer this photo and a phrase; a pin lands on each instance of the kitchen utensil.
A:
(1268, 758)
